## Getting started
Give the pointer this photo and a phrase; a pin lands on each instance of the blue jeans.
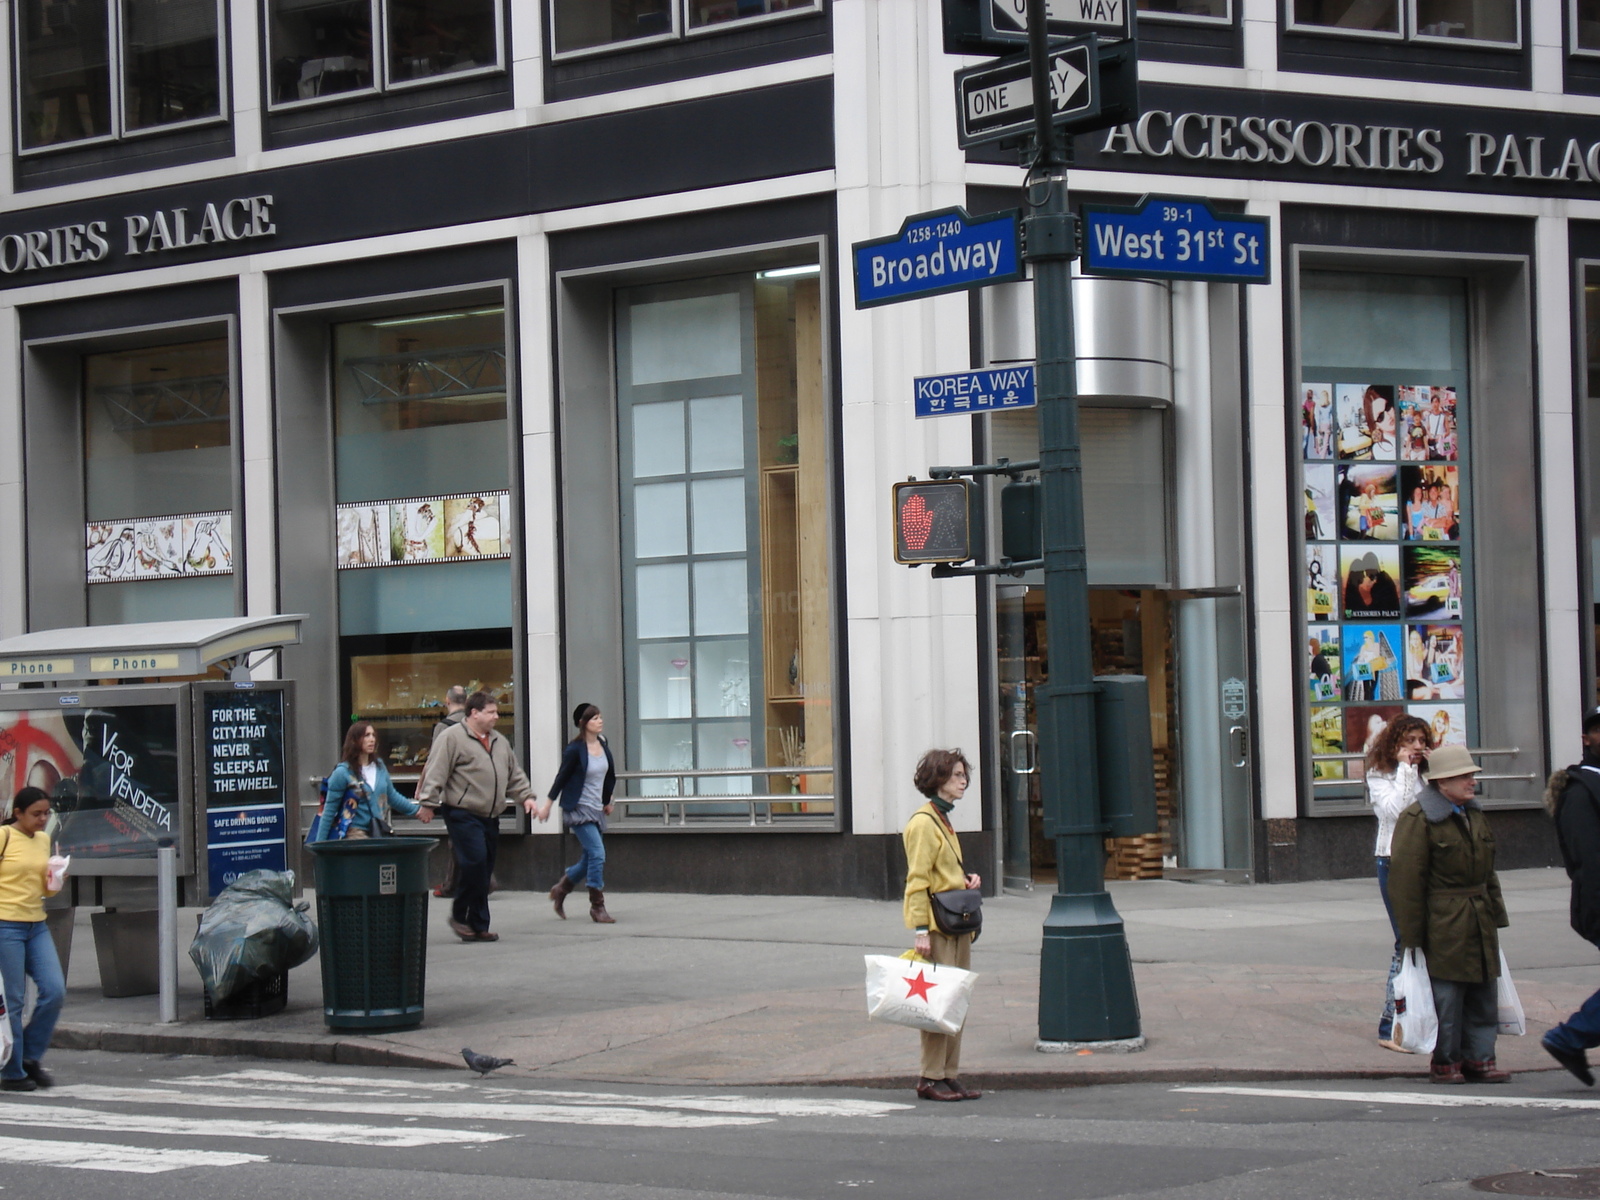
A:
(27, 952)
(593, 861)
(473, 841)
(1386, 1021)
(1580, 1031)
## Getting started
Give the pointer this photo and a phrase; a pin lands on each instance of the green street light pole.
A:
(1086, 991)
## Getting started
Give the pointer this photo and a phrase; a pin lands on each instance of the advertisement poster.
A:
(1382, 501)
(159, 547)
(423, 529)
(1369, 504)
(1370, 580)
(243, 772)
(112, 775)
(1367, 421)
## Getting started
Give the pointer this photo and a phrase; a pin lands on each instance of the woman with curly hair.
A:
(1394, 766)
(933, 864)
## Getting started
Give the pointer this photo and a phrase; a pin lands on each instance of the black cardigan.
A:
(568, 786)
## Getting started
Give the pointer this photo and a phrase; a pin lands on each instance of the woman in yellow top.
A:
(26, 950)
(933, 864)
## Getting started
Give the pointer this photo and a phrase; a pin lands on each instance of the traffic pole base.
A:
(1118, 1046)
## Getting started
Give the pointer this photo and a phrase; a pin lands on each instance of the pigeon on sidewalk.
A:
(483, 1063)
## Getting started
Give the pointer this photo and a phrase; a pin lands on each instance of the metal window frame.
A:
(1407, 32)
(680, 32)
(699, 265)
(1371, 35)
(1188, 18)
(381, 84)
(1587, 478)
(117, 67)
(1573, 48)
(1435, 40)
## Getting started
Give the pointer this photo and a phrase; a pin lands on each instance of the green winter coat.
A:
(1445, 893)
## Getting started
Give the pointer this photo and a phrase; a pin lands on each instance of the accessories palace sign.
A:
(1289, 136)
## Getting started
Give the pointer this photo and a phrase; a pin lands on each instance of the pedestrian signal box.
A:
(933, 521)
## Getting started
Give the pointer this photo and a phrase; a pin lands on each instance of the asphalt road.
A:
(127, 1127)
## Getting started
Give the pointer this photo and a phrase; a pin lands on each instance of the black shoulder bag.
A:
(957, 911)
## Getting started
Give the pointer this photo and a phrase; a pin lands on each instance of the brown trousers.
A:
(941, 1052)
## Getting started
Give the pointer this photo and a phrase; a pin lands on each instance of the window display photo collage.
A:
(1383, 566)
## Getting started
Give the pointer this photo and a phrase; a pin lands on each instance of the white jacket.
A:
(1390, 795)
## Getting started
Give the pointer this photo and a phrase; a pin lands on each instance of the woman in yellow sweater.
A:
(933, 864)
(26, 950)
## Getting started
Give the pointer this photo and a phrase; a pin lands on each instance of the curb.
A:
(370, 1052)
(352, 1052)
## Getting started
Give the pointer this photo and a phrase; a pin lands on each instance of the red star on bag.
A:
(919, 986)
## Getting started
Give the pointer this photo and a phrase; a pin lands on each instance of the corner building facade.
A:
(515, 346)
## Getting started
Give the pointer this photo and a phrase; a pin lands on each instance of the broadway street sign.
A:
(995, 101)
(1176, 237)
(1007, 20)
(937, 252)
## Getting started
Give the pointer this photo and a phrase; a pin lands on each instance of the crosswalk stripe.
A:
(56, 1116)
(786, 1106)
(1419, 1099)
(556, 1114)
(103, 1156)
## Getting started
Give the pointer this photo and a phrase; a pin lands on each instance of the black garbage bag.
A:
(251, 932)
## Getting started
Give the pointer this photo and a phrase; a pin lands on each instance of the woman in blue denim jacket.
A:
(376, 794)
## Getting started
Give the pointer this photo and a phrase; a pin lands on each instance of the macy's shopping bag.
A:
(914, 992)
(1511, 1021)
(1416, 1022)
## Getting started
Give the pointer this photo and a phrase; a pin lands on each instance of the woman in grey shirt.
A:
(583, 785)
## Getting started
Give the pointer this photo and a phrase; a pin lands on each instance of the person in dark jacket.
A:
(584, 784)
(1573, 799)
(1447, 904)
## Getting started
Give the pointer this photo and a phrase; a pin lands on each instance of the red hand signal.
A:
(916, 523)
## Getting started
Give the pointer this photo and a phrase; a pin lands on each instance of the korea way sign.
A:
(938, 252)
(995, 101)
(1176, 237)
(1007, 20)
(962, 393)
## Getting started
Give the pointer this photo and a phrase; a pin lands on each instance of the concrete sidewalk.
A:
(1235, 983)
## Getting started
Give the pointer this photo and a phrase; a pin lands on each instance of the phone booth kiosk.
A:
(115, 724)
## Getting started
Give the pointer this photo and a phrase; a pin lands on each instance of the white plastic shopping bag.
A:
(1512, 1022)
(5, 1026)
(1416, 1022)
(917, 993)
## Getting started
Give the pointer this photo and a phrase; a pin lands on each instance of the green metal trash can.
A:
(372, 906)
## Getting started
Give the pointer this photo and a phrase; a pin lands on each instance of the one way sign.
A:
(995, 102)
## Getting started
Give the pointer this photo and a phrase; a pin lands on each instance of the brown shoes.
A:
(1483, 1072)
(1445, 1073)
(486, 936)
(464, 932)
(963, 1091)
(559, 894)
(597, 908)
(937, 1089)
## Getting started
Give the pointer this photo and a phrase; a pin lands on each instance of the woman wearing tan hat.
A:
(1447, 903)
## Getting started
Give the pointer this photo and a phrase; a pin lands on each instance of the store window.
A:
(1187, 10)
(581, 25)
(1591, 427)
(728, 651)
(1585, 25)
(1493, 21)
(158, 483)
(422, 478)
(90, 69)
(321, 49)
(1385, 488)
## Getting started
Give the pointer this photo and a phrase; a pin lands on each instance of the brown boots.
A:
(597, 908)
(559, 894)
(1467, 1072)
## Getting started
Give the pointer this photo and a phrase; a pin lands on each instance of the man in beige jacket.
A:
(472, 775)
